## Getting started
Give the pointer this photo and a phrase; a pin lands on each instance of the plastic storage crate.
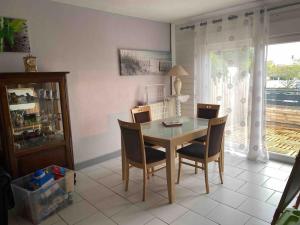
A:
(39, 204)
(289, 217)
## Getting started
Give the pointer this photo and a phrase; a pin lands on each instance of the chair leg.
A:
(196, 169)
(179, 170)
(220, 170)
(152, 171)
(126, 176)
(144, 183)
(206, 177)
(148, 173)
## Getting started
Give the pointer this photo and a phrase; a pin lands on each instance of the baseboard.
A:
(281, 158)
(91, 162)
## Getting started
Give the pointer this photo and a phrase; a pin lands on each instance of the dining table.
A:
(154, 132)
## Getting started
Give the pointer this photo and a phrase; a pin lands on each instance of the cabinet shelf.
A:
(23, 106)
(28, 127)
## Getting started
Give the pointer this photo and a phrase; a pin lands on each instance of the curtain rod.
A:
(246, 14)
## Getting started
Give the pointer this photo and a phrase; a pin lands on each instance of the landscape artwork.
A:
(142, 62)
(14, 35)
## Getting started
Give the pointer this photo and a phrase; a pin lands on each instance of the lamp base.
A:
(177, 86)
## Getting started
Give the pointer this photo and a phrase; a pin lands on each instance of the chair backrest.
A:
(215, 133)
(132, 141)
(141, 114)
(207, 111)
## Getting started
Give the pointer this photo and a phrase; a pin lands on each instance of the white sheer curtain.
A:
(230, 70)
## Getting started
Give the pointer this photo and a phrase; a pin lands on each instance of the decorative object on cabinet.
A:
(35, 127)
(14, 35)
(142, 62)
(30, 63)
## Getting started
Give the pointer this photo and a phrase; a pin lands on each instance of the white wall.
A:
(85, 42)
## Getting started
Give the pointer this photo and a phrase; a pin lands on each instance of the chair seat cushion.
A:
(201, 139)
(193, 150)
(154, 155)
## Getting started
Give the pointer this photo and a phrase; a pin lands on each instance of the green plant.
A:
(8, 28)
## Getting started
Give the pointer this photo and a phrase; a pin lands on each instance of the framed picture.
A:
(13, 35)
(143, 62)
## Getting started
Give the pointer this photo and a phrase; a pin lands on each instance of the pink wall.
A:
(85, 42)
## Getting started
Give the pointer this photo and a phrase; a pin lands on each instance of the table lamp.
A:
(177, 71)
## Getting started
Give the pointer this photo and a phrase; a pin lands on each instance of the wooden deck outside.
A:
(283, 130)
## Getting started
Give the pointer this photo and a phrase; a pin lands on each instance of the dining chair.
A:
(206, 111)
(141, 114)
(137, 154)
(207, 152)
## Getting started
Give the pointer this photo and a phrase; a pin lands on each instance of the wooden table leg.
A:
(170, 172)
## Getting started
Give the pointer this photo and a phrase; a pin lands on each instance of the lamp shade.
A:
(177, 71)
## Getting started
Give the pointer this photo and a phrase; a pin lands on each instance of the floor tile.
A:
(161, 173)
(97, 172)
(76, 197)
(230, 182)
(274, 184)
(77, 212)
(275, 173)
(181, 193)
(132, 216)
(96, 194)
(201, 204)
(232, 171)
(275, 198)
(255, 191)
(286, 168)
(96, 219)
(258, 209)
(254, 178)
(60, 223)
(111, 180)
(157, 184)
(151, 199)
(100, 196)
(167, 212)
(83, 182)
(255, 221)
(251, 166)
(274, 164)
(156, 221)
(225, 215)
(51, 220)
(133, 188)
(191, 218)
(231, 159)
(113, 204)
(228, 197)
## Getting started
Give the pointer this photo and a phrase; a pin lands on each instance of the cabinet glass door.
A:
(35, 113)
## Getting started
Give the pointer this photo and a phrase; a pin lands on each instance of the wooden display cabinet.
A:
(35, 129)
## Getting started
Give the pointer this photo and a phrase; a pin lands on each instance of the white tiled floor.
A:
(249, 196)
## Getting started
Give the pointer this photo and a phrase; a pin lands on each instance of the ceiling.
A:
(158, 10)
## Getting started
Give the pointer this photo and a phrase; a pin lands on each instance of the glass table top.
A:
(157, 130)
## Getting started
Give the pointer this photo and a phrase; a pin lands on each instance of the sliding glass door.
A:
(283, 99)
